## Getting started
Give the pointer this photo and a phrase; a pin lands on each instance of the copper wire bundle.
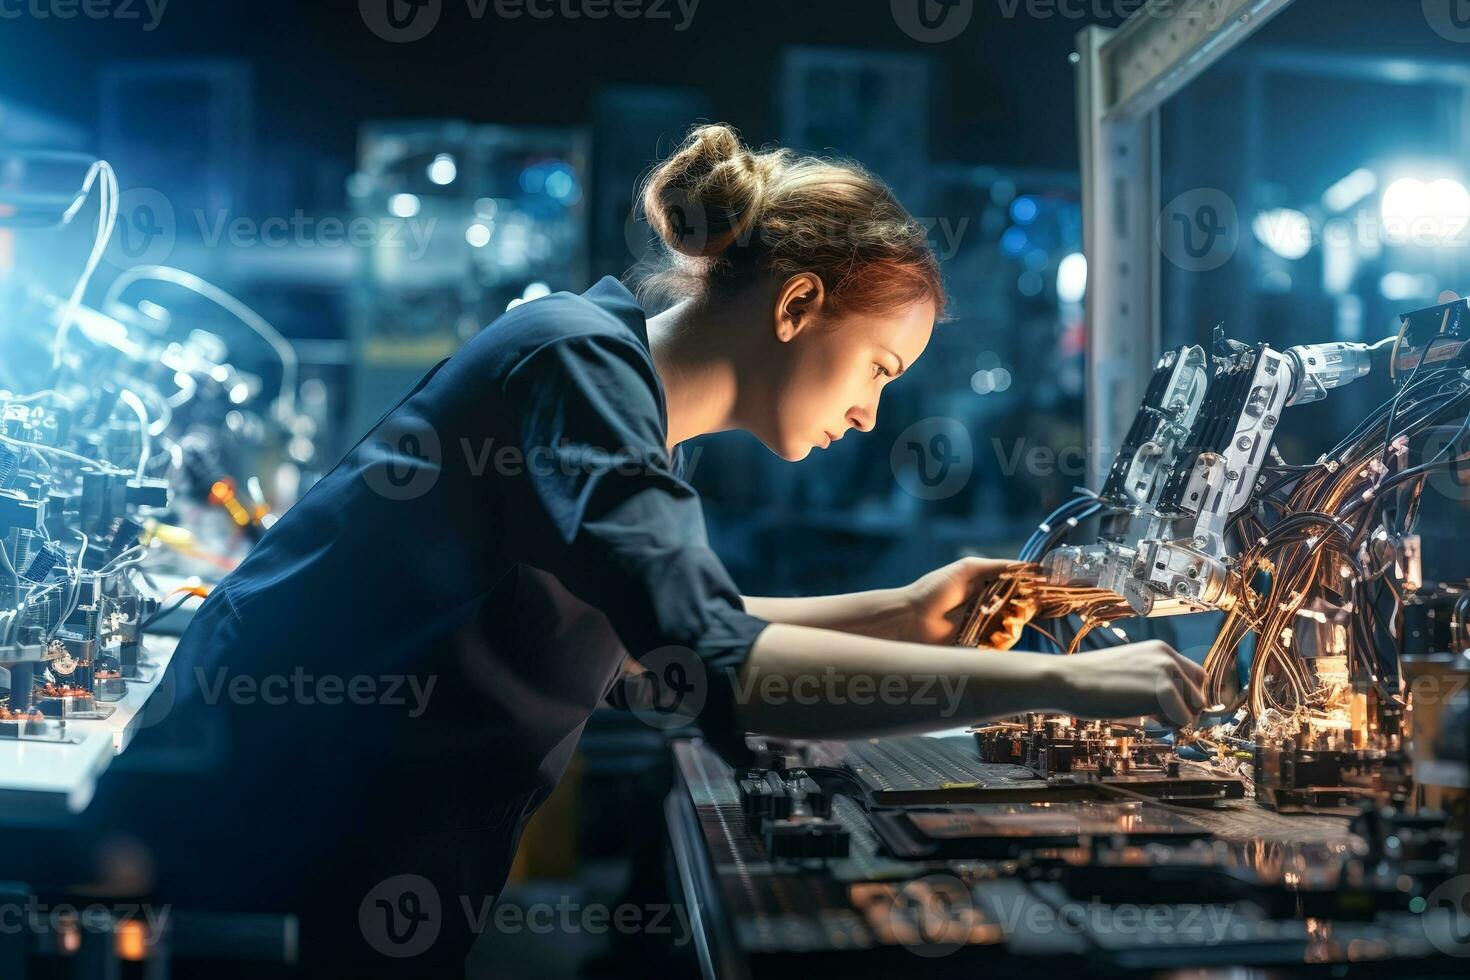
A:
(1328, 519)
(1332, 536)
(1021, 595)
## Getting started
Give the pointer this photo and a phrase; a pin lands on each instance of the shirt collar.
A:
(610, 294)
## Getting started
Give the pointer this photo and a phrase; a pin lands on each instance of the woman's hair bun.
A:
(727, 214)
(707, 196)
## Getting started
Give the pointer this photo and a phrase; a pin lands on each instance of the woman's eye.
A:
(880, 371)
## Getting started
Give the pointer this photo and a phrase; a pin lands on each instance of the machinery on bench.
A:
(1200, 514)
(1346, 714)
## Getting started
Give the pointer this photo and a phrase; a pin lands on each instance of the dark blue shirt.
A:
(495, 544)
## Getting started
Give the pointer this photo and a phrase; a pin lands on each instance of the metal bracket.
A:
(1123, 77)
(1168, 43)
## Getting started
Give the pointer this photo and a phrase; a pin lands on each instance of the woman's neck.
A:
(694, 351)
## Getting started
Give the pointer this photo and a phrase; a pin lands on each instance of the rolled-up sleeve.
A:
(598, 504)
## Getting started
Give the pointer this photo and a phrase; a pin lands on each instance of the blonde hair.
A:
(724, 214)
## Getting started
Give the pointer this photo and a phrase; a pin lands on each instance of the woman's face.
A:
(833, 373)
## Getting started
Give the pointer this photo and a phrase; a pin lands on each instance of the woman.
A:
(516, 527)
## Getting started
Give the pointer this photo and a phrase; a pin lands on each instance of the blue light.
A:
(561, 184)
(1014, 241)
(533, 179)
(1024, 210)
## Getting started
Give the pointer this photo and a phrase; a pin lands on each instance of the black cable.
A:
(165, 610)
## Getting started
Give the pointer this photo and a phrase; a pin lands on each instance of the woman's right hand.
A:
(1136, 680)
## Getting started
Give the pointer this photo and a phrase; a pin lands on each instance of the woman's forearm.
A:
(800, 682)
(885, 614)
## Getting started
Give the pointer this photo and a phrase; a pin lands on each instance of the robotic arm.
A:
(1190, 462)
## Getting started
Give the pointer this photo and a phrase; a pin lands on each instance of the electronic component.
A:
(1002, 830)
(69, 542)
(792, 815)
(1199, 513)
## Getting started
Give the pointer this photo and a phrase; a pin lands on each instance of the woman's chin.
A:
(793, 451)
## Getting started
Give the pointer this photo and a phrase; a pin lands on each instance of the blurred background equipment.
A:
(308, 216)
(474, 220)
(133, 453)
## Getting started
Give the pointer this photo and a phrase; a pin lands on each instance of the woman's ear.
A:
(797, 305)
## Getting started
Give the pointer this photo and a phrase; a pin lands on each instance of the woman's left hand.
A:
(939, 601)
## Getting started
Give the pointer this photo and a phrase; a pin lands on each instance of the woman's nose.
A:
(863, 419)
